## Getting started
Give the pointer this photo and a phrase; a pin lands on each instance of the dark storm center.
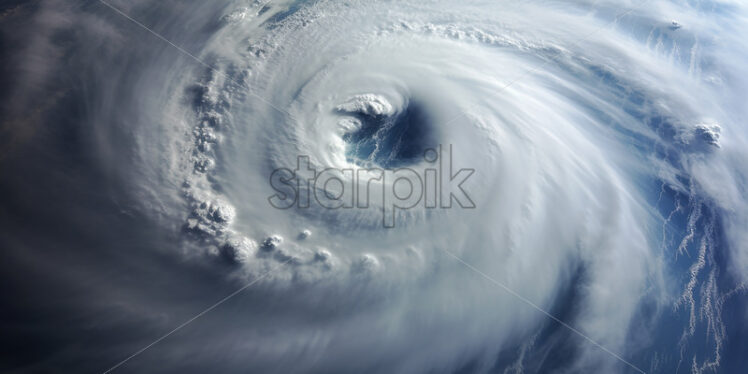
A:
(390, 141)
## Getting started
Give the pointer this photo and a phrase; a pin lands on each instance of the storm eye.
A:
(390, 140)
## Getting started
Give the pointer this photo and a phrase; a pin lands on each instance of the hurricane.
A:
(318, 186)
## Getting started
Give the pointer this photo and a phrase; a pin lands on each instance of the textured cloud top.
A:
(575, 200)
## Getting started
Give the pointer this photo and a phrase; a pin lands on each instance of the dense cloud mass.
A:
(154, 154)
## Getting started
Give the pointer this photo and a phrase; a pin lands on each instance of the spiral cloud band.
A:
(408, 186)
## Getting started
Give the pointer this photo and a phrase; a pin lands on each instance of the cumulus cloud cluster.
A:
(606, 141)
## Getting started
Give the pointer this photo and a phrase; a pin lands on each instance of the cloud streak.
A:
(609, 186)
